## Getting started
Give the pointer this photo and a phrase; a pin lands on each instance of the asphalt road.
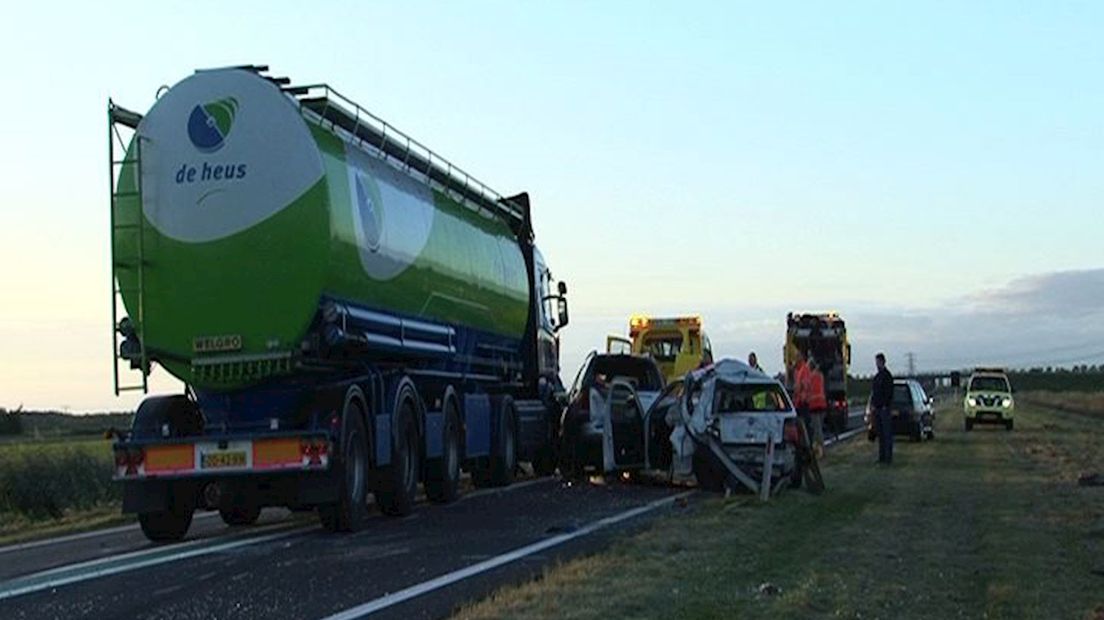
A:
(421, 566)
(290, 570)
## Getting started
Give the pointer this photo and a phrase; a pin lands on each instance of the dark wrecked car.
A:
(603, 424)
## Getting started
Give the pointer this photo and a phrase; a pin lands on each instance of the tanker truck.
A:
(350, 313)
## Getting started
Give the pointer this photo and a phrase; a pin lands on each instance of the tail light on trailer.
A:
(128, 460)
(314, 451)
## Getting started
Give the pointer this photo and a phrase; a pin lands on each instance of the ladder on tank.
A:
(124, 332)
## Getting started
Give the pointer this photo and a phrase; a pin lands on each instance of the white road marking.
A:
(442, 581)
(113, 565)
(481, 567)
(84, 535)
(207, 515)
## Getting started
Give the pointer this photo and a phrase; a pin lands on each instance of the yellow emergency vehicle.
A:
(677, 344)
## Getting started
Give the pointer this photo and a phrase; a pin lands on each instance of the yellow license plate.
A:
(221, 460)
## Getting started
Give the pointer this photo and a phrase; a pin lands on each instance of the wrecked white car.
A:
(733, 427)
(729, 425)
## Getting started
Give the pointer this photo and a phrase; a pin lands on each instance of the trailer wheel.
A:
(347, 513)
(397, 499)
(504, 454)
(443, 478)
(167, 525)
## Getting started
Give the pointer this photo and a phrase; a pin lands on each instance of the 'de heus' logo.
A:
(210, 123)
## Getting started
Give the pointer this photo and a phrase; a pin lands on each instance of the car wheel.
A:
(709, 479)
(1008, 425)
(168, 525)
(969, 424)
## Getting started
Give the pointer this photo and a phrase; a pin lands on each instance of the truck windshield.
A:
(989, 384)
(664, 348)
(753, 397)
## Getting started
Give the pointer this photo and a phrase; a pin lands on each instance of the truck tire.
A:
(348, 512)
(1008, 425)
(443, 476)
(969, 424)
(397, 498)
(504, 448)
(497, 470)
(167, 525)
(176, 412)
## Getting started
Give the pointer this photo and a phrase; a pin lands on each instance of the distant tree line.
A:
(57, 424)
(11, 422)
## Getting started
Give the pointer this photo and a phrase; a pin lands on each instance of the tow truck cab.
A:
(677, 344)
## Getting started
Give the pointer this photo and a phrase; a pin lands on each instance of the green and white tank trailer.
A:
(350, 313)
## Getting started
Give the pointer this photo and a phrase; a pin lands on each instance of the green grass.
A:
(980, 524)
(56, 486)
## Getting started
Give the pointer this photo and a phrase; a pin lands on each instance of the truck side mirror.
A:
(561, 309)
(562, 287)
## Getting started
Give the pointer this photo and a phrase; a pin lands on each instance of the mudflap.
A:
(320, 488)
(144, 496)
(141, 496)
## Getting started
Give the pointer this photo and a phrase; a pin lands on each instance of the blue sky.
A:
(895, 162)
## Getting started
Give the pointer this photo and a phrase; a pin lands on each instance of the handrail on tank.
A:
(416, 157)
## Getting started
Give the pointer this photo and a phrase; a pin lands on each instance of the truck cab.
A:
(678, 345)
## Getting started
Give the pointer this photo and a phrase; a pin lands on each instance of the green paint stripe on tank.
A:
(470, 271)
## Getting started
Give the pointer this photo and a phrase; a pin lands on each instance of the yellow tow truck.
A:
(677, 344)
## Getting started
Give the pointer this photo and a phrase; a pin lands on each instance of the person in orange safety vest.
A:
(817, 402)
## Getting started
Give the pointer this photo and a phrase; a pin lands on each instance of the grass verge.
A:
(982, 524)
(50, 488)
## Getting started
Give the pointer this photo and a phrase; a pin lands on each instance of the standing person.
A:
(881, 398)
(818, 405)
(800, 388)
(753, 361)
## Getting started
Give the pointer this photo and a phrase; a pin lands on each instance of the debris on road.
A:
(768, 589)
(1091, 480)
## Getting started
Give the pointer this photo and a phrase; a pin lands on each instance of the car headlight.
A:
(972, 401)
(1006, 403)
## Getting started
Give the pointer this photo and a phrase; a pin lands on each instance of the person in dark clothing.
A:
(881, 398)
